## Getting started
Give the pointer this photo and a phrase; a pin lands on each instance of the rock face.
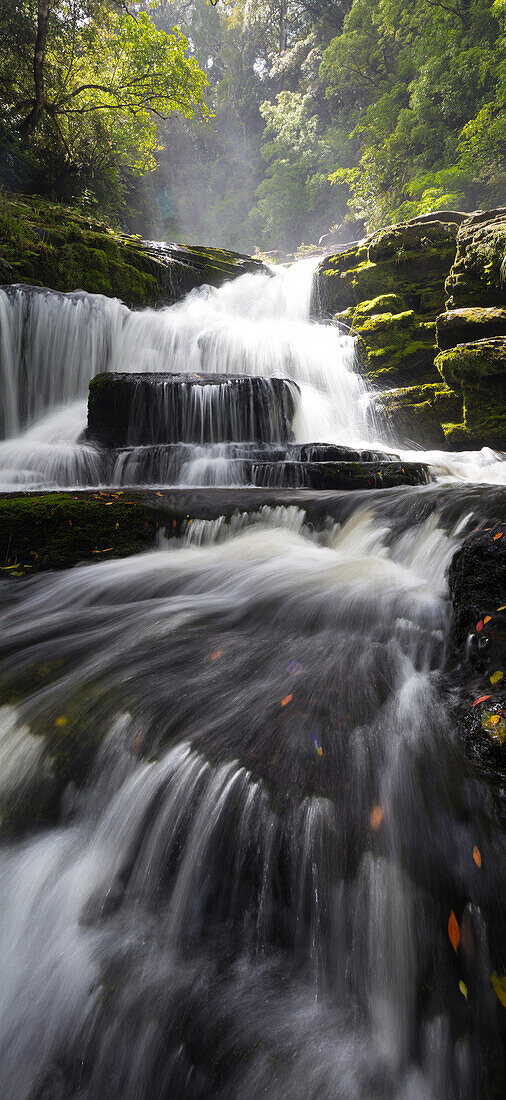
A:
(48, 245)
(390, 290)
(129, 409)
(472, 332)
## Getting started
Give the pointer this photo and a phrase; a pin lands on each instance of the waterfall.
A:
(237, 809)
(249, 893)
(257, 326)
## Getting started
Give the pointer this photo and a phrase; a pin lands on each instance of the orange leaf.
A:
(376, 817)
(498, 536)
(486, 619)
(217, 653)
(286, 700)
(477, 856)
(453, 930)
(481, 699)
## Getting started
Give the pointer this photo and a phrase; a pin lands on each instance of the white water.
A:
(215, 913)
(52, 344)
(187, 932)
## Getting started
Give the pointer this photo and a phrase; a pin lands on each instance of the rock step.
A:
(129, 409)
(335, 475)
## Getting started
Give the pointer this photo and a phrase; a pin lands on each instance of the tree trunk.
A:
(29, 124)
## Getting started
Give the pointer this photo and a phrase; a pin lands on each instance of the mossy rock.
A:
(44, 244)
(394, 347)
(477, 275)
(473, 361)
(459, 326)
(417, 413)
(479, 370)
(389, 290)
(57, 530)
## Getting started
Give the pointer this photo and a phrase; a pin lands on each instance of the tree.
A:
(91, 83)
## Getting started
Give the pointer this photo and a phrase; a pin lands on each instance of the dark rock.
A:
(340, 475)
(477, 579)
(129, 409)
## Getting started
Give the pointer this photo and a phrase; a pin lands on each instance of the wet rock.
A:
(421, 414)
(129, 409)
(477, 579)
(340, 475)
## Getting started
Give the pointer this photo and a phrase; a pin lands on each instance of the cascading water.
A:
(256, 812)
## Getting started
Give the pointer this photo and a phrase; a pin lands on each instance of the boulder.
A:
(459, 326)
(131, 409)
(478, 370)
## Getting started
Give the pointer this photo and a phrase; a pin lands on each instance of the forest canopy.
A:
(258, 122)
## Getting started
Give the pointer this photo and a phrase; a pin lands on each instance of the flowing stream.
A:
(249, 894)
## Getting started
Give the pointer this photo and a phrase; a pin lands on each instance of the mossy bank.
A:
(43, 244)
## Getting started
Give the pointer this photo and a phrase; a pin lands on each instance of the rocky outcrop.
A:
(48, 245)
(472, 332)
(418, 413)
(389, 290)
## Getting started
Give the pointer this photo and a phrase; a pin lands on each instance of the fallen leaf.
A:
(61, 720)
(453, 930)
(286, 700)
(499, 984)
(477, 856)
(479, 626)
(217, 653)
(117, 525)
(498, 536)
(135, 743)
(463, 988)
(481, 699)
(108, 503)
(70, 523)
(503, 608)
(495, 677)
(486, 619)
(376, 817)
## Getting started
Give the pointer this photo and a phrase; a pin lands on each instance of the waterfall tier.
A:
(129, 409)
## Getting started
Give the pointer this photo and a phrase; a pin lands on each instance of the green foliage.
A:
(106, 79)
(424, 91)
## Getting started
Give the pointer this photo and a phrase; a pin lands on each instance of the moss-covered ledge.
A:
(44, 244)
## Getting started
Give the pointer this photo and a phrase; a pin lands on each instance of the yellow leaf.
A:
(463, 989)
(61, 720)
(495, 677)
(499, 984)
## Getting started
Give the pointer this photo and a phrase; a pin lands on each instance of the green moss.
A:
(56, 530)
(417, 413)
(44, 244)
